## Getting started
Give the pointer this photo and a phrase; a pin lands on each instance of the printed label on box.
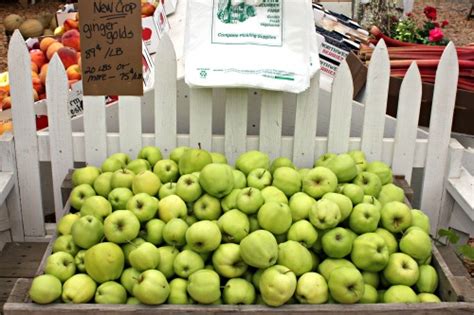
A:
(333, 52)
(328, 68)
(150, 34)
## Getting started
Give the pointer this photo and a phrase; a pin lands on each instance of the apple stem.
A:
(199, 145)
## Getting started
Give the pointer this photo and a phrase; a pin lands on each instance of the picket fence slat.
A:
(271, 115)
(341, 110)
(60, 129)
(200, 118)
(409, 103)
(130, 133)
(235, 123)
(26, 143)
(165, 96)
(378, 78)
(441, 119)
(306, 119)
(95, 129)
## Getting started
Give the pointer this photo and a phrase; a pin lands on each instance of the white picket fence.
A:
(439, 155)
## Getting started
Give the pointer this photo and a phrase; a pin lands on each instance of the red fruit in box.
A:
(74, 72)
(68, 56)
(148, 9)
(72, 39)
(38, 86)
(38, 57)
(71, 24)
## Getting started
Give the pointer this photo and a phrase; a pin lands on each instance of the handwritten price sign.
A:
(111, 45)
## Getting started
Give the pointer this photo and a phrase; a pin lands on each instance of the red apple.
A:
(72, 39)
(68, 56)
(148, 9)
(38, 57)
(74, 72)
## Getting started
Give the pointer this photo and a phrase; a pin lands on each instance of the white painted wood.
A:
(95, 130)
(270, 123)
(4, 221)
(130, 122)
(341, 110)
(442, 110)
(456, 154)
(306, 120)
(4, 238)
(165, 96)
(200, 118)
(408, 113)
(235, 123)
(461, 221)
(26, 144)
(378, 78)
(62, 159)
(462, 190)
(6, 185)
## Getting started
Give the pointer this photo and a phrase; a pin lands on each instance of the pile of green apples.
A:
(192, 229)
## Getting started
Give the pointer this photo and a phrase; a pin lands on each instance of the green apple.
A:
(129, 278)
(152, 288)
(346, 285)
(275, 217)
(79, 194)
(300, 204)
(139, 165)
(85, 175)
(45, 289)
(167, 256)
(87, 231)
(253, 223)
(259, 178)
(97, 206)
(166, 190)
(354, 192)
(66, 222)
(281, 238)
(174, 232)
(178, 292)
(364, 218)
(153, 232)
(79, 261)
(249, 200)
(122, 178)
(312, 288)
(380, 294)
(146, 182)
(151, 154)
(259, 249)
(344, 166)
(337, 242)
(421, 220)
(370, 295)
(382, 170)
(119, 197)
(227, 261)
(177, 153)
(187, 262)
(428, 298)
(271, 193)
(204, 286)
(217, 179)
(172, 207)
(218, 158)
(395, 216)
(359, 159)
(344, 203)
(61, 265)
(401, 269)
(303, 171)
(416, 243)
(277, 285)
(193, 160)
(281, 162)
(328, 265)
(373, 201)
(133, 301)
(371, 278)
(128, 247)
(78, 289)
(295, 256)
(121, 226)
(287, 179)
(400, 294)
(238, 291)
(204, 255)
(389, 238)
(104, 262)
(123, 157)
(234, 226)
(240, 181)
(207, 207)
(428, 280)
(325, 214)
(303, 232)
(369, 182)
(391, 192)
(65, 243)
(166, 170)
(203, 236)
(188, 188)
(143, 206)
(112, 165)
(229, 202)
(318, 181)
(256, 278)
(324, 159)
(110, 292)
(144, 257)
(251, 160)
(369, 252)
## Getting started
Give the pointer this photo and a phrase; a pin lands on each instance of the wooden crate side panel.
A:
(95, 130)
(26, 143)
(271, 115)
(130, 133)
(235, 123)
